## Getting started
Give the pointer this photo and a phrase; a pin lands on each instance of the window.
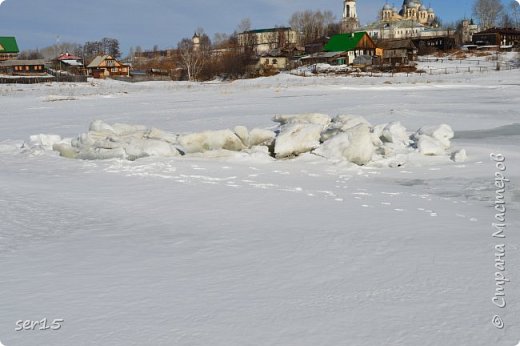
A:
(114, 69)
(275, 61)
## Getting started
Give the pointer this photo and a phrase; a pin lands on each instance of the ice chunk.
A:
(101, 126)
(345, 122)
(211, 140)
(333, 148)
(154, 133)
(126, 129)
(66, 150)
(101, 154)
(296, 139)
(459, 156)
(354, 145)
(395, 133)
(138, 148)
(443, 134)
(261, 137)
(45, 141)
(243, 134)
(309, 118)
(430, 146)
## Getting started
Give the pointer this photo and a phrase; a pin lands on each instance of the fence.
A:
(66, 77)
(26, 80)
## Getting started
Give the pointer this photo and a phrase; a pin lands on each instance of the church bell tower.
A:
(350, 19)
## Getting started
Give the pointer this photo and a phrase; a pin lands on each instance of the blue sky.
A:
(145, 23)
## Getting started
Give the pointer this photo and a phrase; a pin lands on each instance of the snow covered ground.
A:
(238, 249)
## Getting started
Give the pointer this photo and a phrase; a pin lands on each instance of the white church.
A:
(413, 20)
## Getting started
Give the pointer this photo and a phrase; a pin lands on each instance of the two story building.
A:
(106, 66)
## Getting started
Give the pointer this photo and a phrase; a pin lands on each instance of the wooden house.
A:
(106, 66)
(8, 48)
(497, 37)
(397, 51)
(350, 46)
(23, 67)
(70, 63)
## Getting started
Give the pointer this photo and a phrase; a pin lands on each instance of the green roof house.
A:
(350, 46)
(8, 48)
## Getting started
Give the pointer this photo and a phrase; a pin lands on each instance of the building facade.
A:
(469, 28)
(501, 37)
(413, 20)
(106, 66)
(350, 46)
(23, 67)
(264, 40)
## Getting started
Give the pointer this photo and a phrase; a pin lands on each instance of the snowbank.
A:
(342, 138)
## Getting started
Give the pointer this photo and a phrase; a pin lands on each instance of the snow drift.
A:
(343, 138)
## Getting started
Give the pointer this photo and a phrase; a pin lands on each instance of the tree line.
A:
(88, 51)
(225, 55)
(491, 13)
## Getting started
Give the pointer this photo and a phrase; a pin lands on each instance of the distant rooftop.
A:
(260, 31)
(8, 45)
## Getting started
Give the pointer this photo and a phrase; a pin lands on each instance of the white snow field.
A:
(223, 247)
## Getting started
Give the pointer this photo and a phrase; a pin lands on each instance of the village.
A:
(229, 173)
(392, 43)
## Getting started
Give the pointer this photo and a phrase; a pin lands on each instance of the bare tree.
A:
(506, 21)
(312, 25)
(220, 39)
(92, 49)
(111, 47)
(30, 55)
(51, 52)
(194, 58)
(488, 12)
(245, 25)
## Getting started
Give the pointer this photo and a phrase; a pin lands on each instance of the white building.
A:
(350, 21)
(265, 40)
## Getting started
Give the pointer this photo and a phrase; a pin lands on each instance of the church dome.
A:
(430, 10)
(387, 7)
(422, 8)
